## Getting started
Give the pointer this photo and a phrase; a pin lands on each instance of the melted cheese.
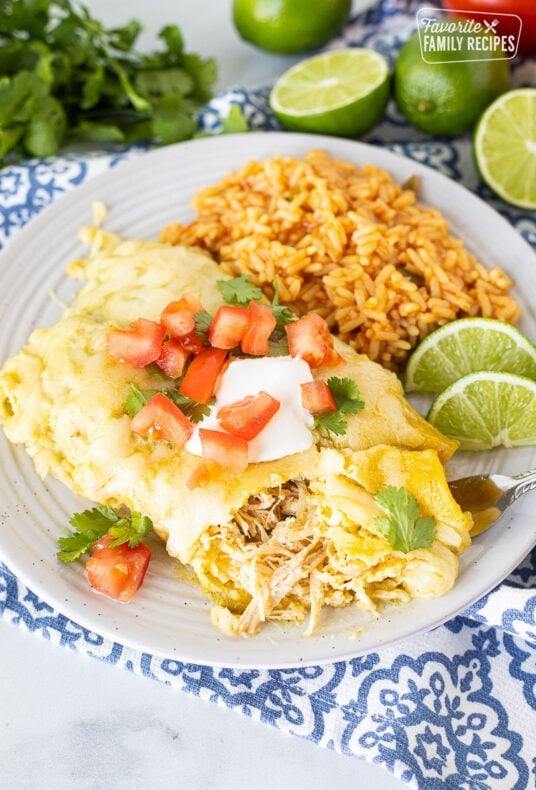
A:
(62, 398)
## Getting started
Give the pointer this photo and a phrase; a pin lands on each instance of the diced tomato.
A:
(261, 324)
(247, 417)
(117, 572)
(160, 418)
(228, 326)
(179, 317)
(224, 449)
(317, 397)
(199, 477)
(192, 343)
(310, 339)
(202, 375)
(173, 358)
(333, 359)
(139, 343)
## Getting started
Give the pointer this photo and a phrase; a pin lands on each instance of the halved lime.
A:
(344, 92)
(465, 346)
(505, 147)
(487, 409)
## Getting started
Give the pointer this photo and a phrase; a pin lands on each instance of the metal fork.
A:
(488, 496)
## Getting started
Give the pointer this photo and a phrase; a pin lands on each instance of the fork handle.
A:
(522, 483)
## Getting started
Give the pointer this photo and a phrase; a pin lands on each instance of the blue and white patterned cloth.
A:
(455, 708)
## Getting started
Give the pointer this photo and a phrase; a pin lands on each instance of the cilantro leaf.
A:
(172, 35)
(346, 394)
(348, 399)
(239, 291)
(96, 517)
(92, 131)
(203, 320)
(191, 408)
(170, 123)
(283, 315)
(91, 525)
(131, 531)
(401, 526)
(334, 422)
(204, 73)
(162, 82)
(137, 399)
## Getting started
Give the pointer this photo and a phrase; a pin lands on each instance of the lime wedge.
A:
(487, 409)
(465, 346)
(505, 147)
(343, 92)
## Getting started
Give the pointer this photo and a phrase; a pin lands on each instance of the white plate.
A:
(169, 616)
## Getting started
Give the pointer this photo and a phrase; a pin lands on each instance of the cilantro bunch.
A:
(64, 77)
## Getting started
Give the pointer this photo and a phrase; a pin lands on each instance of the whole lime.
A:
(289, 27)
(442, 94)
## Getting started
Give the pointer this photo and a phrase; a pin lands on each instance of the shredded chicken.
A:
(263, 512)
(274, 561)
(281, 584)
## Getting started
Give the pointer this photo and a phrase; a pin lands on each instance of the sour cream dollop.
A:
(289, 430)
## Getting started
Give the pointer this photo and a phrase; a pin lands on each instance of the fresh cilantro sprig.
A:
(65, 76)
(203, 320)
(91, 525)
(137, 398)
(283, 315)
(334, 422)
(402, 527)
(131, 530)
(191, 408)
(239, 291)
(348, 399)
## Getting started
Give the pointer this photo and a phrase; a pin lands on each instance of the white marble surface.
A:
(71, 723)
